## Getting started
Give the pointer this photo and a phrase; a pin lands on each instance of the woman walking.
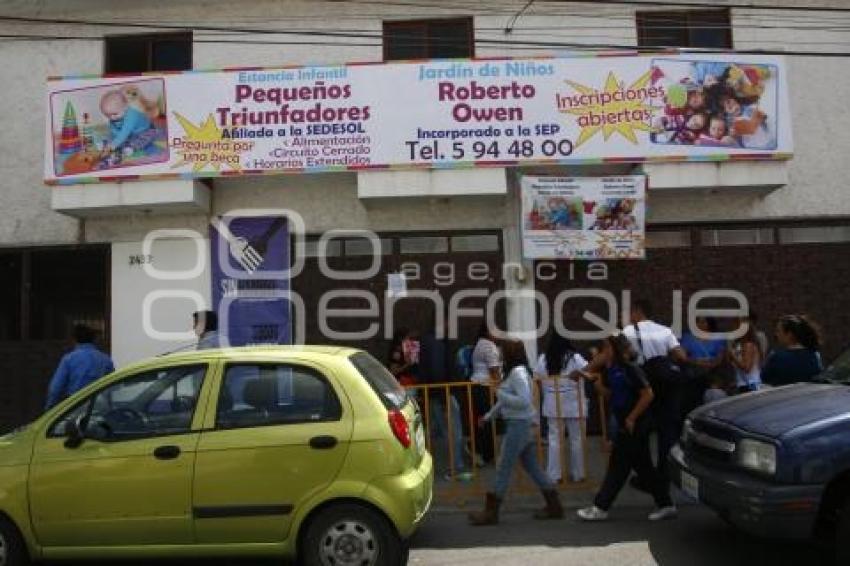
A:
(798, 356)
(564, 404)
(630, 396)
(515, 405)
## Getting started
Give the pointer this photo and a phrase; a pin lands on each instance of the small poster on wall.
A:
(584, 217)
(249, 255)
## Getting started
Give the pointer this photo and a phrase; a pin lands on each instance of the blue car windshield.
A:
(839, 371)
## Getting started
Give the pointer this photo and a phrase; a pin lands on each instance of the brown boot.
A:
(553, 509)
(490, 514)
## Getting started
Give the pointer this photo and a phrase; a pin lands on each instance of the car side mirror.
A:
(74, 433)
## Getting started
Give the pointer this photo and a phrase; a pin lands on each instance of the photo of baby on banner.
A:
(109, 127)
(716, 104)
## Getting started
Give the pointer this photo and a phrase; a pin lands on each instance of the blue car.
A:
(775, 463)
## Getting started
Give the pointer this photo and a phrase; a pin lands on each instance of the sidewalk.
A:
(454, 496)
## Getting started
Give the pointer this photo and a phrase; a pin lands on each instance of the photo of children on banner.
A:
(614, 214)
(716, 104)
(109, 127)
(556, 213)
(559, 213)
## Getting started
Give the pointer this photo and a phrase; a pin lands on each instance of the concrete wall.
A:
(151, 314)
(329, 202)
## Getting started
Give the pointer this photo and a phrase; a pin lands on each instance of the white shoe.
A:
(663, 513)
(592, 513)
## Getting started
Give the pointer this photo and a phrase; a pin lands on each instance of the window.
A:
(738, 237)
(333, 248)
(392, 394)
(668, 239)
(429, 39)
(685, 28)
(273, 394)
(482, 243)
(425, 245)
(364, 247)
(155, 403)
(143, 53)
(814, 234)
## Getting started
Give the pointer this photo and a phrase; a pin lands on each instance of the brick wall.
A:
(776, 279)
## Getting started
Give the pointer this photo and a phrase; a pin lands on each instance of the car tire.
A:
(842, 534)
(13, 551)
(352, 534)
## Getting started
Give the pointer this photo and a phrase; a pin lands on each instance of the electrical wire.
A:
(326, 32)
(649, 3)
(510, 46)
(510, 27)
(660, 17)
(378, 36)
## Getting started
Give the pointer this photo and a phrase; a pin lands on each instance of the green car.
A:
(314, 453)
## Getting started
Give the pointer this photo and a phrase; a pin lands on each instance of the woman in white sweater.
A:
(515, 405)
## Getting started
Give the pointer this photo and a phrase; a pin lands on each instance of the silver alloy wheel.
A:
(3, 550)
(347, 542)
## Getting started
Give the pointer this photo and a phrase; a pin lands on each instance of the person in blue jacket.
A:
(79, 367)
(798, 357)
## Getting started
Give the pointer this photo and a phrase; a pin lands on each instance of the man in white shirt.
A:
(655, 339)
(652, 340)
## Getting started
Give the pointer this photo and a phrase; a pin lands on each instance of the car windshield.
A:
(839, 371)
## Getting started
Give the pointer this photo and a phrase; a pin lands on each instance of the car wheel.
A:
(349, 535)
(13, 552)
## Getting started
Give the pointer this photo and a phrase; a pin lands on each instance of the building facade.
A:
(778, 230)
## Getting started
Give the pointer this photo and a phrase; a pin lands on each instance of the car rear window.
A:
(391, 393)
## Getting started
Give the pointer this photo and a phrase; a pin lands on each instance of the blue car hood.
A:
(774, 412)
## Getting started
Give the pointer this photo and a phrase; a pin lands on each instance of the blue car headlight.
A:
(757, 456)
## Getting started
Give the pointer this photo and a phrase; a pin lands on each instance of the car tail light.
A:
(399, 426)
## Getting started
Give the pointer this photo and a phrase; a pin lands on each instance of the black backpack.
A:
(662, 372)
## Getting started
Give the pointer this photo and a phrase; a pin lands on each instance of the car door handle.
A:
(323, 442)
(166, 452)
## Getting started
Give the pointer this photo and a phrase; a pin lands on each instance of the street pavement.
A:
(696, 538)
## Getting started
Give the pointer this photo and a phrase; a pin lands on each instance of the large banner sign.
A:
(433, 114)
(249, 256)
(583, 217)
